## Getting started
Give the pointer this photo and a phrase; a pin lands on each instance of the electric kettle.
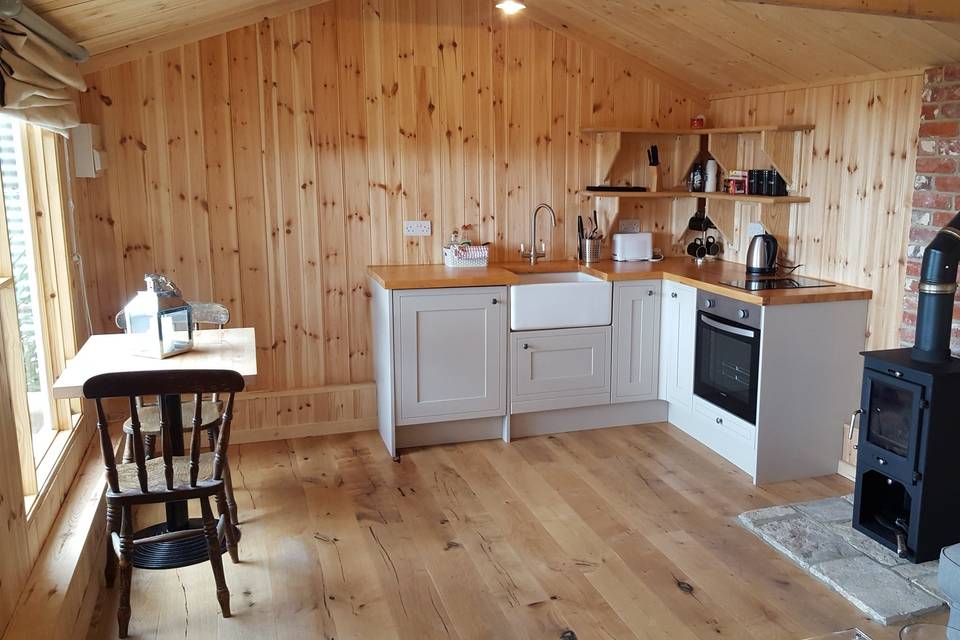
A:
(762, 255)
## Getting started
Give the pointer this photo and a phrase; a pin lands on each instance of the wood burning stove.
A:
(908, 472)
(908, 475)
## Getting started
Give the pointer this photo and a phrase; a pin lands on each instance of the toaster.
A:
(630, 247)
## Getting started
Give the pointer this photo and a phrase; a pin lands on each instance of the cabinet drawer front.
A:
(562, 363)
(450, 354)
(725, 422)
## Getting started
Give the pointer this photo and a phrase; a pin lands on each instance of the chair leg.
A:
(128, 454)
(113, 526)
(126, 569)
(149, 446)
(229, 528)
(231, 501)
(216, 560)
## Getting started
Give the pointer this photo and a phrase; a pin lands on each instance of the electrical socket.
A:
(629, 226)
(417, 228)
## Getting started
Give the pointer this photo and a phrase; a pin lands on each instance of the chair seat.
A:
(150, 417)
(157, 482)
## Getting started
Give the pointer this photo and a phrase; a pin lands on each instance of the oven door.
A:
(727, 365)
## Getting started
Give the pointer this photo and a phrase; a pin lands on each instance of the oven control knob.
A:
(743, 314)
(881, 460)
(709, 303)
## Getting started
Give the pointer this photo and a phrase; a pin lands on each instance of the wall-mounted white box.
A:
(87, 159)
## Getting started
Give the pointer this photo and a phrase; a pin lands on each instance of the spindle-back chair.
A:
(167, 478)
(204, 314)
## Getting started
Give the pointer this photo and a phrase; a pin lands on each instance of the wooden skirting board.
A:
(304, 430)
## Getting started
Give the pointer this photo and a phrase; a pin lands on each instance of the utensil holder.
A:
(590, 248)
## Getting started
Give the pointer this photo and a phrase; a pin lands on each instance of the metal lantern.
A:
(160, 318)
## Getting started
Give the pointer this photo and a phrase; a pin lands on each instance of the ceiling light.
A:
(511, 7)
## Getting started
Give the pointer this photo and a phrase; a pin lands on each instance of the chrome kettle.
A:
(762, 255)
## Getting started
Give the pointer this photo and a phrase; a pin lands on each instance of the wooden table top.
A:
(233, 349)
(706, 276)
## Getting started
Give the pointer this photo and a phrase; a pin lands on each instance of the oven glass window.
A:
(726, 369)
(891, 417)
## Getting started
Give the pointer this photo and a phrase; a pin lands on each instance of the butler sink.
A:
(559, 300)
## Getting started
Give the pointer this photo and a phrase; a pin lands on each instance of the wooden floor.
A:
(617, 533)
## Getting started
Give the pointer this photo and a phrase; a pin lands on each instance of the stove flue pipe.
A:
(938, 287)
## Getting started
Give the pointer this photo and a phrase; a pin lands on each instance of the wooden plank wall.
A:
(267, 167)
(858, 170)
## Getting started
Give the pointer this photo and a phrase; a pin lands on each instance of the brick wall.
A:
(936, 195)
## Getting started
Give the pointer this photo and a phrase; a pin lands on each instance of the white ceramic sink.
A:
(559, 300)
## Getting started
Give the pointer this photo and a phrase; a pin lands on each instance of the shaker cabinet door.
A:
(451, 348)
(636, 341)
(678, 344)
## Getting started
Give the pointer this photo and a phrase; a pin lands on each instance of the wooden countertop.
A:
(706, 276)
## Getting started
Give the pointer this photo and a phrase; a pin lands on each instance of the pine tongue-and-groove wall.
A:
(267, 167)
(858, 170)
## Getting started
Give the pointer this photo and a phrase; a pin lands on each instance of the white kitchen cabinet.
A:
(559, 369)
(636, 340)
(678, 323)
(450, 354)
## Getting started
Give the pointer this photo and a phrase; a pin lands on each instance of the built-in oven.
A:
(727, 363)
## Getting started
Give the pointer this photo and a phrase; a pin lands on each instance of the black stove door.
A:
(891, 423)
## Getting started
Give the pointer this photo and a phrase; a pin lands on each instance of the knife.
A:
(655, 151)
(580, 237)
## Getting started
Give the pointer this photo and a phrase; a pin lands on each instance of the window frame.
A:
(45, 199)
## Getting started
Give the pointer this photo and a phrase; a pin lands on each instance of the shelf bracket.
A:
(608, 148)
(723, 147)
(781, 149)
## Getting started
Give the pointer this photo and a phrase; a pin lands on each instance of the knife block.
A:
(653, 178)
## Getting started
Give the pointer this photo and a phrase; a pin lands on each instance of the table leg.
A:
(177, 519)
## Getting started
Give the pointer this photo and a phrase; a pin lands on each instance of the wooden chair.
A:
(204, 313)
(168, 478)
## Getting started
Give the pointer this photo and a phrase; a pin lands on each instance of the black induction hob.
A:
(765, 284)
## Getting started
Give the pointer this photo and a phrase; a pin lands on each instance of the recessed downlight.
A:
(511, 7)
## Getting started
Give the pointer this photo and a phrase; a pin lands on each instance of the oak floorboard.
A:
(612, 534)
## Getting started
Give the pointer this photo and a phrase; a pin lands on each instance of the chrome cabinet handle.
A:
(673, 295)
(526, 346)
(495, 301)
(719, 420)
(853, 420)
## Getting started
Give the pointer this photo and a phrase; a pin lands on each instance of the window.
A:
(35, 294)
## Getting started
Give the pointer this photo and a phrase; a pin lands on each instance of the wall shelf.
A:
(661, 195)
(701, 132)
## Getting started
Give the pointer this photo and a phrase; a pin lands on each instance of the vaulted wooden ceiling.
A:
(722, 46)
(706, 46)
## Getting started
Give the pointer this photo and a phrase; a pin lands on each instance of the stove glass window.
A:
(891, 418)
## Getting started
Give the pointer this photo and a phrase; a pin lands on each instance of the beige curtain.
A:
(38, 80)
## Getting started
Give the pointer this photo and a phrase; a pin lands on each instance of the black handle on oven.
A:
(722, 326)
